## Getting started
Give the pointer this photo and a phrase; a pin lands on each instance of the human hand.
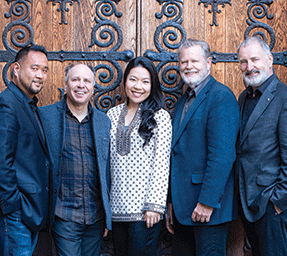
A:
(201, 213)
(279, 211)
(151, 218)
(106, 232)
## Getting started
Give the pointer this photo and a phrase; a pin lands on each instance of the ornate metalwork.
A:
(107, 36)
(258, 10)
(173, 34)
(21, 32)
(110, 72)
(214, 8)
(63, 8)
(106, 28)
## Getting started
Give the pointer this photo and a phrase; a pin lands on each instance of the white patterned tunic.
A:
(139, 176)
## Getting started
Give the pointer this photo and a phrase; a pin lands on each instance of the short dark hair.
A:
(24, 51)
(21, 54)
(153, 103)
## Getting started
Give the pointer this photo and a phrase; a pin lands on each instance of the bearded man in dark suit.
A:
(205, 127)
(261, 164)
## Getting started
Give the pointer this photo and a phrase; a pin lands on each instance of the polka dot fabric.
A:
(139, 180)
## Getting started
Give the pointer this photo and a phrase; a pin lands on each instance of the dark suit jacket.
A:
(24, 161)
(54, 122)
(261, 163)
(203, 152)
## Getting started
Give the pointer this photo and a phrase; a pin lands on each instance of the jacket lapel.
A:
(27, 109)
(179, 128)
(60, 134)
(97, 128)
(262, 104)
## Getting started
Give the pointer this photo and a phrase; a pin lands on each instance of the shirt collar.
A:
(68, 111)
(190, 92)
(30, 101)
(260, 90)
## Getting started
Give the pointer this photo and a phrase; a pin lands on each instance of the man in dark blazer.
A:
(261, 164)
(205, 127)
(26, 205)
(79, 139)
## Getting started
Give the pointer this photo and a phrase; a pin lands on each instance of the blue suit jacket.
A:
(261, 164)
(24, 161)
(203, 152)
(54, 122)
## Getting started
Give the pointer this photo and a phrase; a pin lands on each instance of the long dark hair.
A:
(153, 103)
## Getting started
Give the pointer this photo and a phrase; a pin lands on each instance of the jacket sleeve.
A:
(221, 135)
(279, 196)
(158, 182)
(9, 193)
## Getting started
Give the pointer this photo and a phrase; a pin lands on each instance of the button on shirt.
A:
(251, 101)
(191, 94)
(79, 198)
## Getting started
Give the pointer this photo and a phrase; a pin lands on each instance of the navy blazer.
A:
(54, 122)
(261, 163)
(203, 152)
(24, 161)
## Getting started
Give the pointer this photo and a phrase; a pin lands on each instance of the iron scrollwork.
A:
(63, 8)
(214, 8)
(22, 34)
(257, 9)
(105, 28)
(171, 39)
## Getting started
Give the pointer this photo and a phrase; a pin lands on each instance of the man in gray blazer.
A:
(261, 164)
(79, 138)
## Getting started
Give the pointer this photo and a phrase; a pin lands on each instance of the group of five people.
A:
(78, 172)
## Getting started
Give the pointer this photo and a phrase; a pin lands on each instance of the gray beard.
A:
(256, 82)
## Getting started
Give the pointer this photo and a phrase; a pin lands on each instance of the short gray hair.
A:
(71, 65)
(193, 42)
(256, 39)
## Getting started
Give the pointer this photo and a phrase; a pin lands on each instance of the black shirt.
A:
(251, 101)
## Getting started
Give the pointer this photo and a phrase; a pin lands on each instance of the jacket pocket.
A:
(28, 188)
(197, 178)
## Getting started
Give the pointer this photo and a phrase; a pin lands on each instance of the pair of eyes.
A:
(132, 79)
(186, 61)
(45, 70)
(77, 79)
(245, 61)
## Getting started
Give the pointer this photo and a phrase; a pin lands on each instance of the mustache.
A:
(247, 73)
(38, 81)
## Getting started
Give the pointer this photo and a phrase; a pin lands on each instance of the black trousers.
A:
(135, 239)
(199, 240)
(268, 235)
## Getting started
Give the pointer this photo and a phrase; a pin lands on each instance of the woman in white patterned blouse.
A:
(140, 153)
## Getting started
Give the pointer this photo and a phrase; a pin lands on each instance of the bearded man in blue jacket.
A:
(205, 127)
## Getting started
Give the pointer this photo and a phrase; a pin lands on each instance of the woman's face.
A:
(138, 85)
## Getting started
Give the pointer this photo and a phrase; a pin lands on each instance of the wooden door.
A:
(108, 33)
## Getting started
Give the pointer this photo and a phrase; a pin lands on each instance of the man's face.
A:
(31, 73)
(80, 85)
(194, 68)
(255, 66)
